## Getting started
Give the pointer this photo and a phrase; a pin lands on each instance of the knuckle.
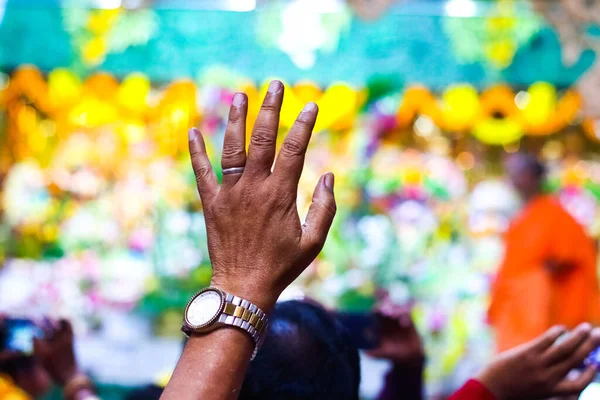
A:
(202, 173)
(304, 124)
(292, 147)
(263, 137)
(269, 107)
(235, 117)
(233, 150)
(329, 207)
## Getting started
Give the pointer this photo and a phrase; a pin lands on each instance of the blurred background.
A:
(420, 101)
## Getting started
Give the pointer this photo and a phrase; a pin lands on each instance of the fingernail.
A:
(329, 180)
(238, 99)
(274, 87)
(596, 332)
(192, 133)
(585, 327)
(309, 107)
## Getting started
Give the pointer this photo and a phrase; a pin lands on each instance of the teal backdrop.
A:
(185, 43)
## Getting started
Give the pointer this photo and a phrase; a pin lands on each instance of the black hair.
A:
(532, 164)
(537, 168)
(14, 365)
(307, 355)
(151, 392)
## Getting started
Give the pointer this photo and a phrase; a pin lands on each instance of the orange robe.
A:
(527, 298)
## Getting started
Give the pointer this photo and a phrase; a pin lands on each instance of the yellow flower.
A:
(101, 21)
(501, 52)
(8, 391)
(94, 51)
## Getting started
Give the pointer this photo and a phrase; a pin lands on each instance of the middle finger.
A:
(261, 152)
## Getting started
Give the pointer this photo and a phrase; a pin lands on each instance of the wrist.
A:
(261, 296)
(77, 385)
(486, 378)
(67, 376)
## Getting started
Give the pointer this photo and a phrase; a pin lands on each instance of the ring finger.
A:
(233, 158)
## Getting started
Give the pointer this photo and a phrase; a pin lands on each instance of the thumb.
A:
(320, 215)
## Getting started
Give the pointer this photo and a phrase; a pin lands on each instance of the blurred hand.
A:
(539, 369)
(256, 241)
(400, 341)
(55, 352)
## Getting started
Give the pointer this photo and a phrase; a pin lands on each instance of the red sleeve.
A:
(473, 390)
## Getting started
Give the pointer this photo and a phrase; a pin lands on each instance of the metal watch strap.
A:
(242, 314)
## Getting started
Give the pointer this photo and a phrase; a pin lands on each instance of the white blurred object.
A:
(580, 204)
(591, 393)
(304, 30)
(494, 195)
(25, 198)
(461, 8)
(492, 205)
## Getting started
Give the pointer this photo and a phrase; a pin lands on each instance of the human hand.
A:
(400, 341)
(256, 241)
(539, 369)
(55, 352)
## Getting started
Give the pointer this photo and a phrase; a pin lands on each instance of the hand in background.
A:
(256, 241)
(400, 341)
(56, 354)
(539, 369)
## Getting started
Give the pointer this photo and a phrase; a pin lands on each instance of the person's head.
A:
(526, 174)
(306, 355)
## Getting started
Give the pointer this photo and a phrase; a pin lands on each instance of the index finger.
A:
(261, 152)
(577, 356)
(543, 342)
(565, 349)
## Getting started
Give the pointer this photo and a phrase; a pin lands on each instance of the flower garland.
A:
(498, 116)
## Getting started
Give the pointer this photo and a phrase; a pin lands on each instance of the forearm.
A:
(212, 366)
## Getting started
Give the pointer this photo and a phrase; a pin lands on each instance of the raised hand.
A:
(539, 369)
(400, 341)
(256, 241)
(56, 354)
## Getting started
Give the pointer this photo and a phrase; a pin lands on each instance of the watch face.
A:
(204, 308)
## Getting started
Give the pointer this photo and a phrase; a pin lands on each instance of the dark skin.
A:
(31, 377)
(257, 243)
(538, 369)
(523, 177)
(53, 361)
(56, 354)
(400, 343)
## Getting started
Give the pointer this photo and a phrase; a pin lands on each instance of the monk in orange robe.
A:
(549, 273)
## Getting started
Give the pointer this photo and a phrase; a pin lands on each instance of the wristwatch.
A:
(212, 308)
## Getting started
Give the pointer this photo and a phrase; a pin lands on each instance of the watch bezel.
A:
(214, 318)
